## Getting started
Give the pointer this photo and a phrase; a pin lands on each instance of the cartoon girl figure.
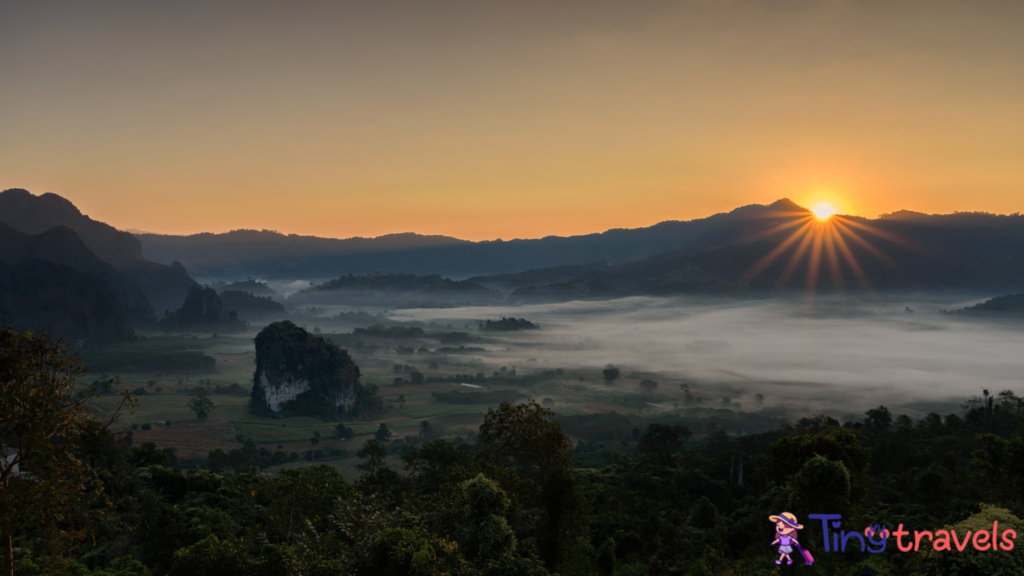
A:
(786, 526)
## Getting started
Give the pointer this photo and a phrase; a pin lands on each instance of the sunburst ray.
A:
(767, 260)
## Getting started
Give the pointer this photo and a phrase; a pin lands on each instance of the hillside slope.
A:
(62, 245)
(81, 308)
(164, 286)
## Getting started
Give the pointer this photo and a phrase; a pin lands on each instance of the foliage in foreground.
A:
(517, 503)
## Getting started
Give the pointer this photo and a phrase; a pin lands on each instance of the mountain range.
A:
(272, 255)
(773, 250)
(113, 280)
(713, 255)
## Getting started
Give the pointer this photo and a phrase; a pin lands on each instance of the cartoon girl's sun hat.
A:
(787, 519)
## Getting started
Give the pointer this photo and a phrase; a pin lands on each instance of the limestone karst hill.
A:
(203, 311)
(300, 374)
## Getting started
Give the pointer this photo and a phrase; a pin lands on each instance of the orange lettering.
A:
(960, 546)
(917, 538)
(899, 534)
(983, 536)
(1007, 545)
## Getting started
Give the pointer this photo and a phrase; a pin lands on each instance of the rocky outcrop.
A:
(299, 374)
(203, 311)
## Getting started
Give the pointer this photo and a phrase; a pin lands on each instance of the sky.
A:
(482, 119)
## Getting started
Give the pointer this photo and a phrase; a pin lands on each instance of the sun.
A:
(823, 211)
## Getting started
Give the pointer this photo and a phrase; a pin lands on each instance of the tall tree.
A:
(44, 414)
(373, 453)
(383, 433)
(527, 437)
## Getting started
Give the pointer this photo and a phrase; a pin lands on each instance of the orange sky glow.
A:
(515, 120)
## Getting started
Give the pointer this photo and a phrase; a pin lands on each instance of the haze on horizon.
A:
(522, 120)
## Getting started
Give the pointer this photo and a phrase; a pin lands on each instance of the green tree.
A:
(611, 373)
(821, 484)
(661, 441)
(298, 498)
(704, 514)
(528, 438)
(435, 461)
(880, 418)
(342, 431)
(202, 406)
(485, 534)
(1000, 467)
(44, 418)
(788, 455)
(402, 552)
(373, 454)
(383, 433)
(427, 431)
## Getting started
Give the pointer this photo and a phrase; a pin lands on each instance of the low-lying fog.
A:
(838, 355)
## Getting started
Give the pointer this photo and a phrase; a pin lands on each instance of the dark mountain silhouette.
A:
(37, 295)
(269, 254)
(266, 253)
(31, 214)
(165, 287)
(766, 252)
(63, 246)
(203, 311)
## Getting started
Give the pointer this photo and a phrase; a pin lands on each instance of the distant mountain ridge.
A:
(266, 254)
(766, 253)
(751, 249)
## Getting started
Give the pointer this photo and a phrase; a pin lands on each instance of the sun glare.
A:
(823, 211)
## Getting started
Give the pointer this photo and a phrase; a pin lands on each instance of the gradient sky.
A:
(519, 119)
